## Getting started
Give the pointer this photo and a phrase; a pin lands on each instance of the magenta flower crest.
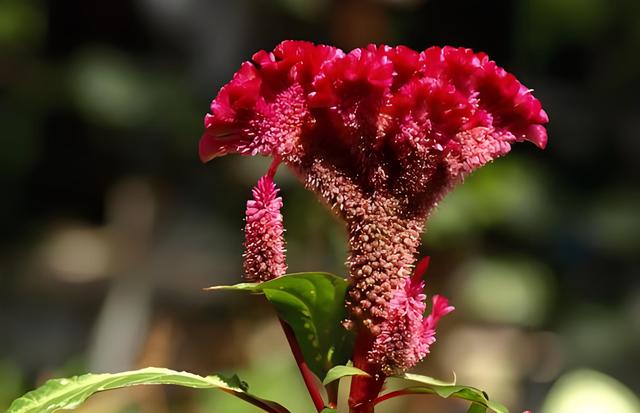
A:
(264, 256)
(380, 134)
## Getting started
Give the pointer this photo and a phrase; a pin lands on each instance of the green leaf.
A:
(476, 408)
(328, 410)
(461, 392)
(426, 379)
(497, 407)
(313, 305)
(71, 392)
(339, 372)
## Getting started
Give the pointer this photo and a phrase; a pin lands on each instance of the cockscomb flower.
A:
(380, 134)
(406, 336)
(264, 257)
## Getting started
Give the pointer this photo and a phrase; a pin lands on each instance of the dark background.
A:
(111, 226)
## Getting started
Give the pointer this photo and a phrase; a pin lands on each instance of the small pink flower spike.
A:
(439, 308)
(264, 256)
(405, 336)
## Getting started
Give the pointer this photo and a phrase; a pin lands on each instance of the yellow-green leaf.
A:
(338, 372)
(313, 305)
(69, 393)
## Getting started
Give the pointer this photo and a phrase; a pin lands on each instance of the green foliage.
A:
(426, 379)
(433, 386)
(476, 408)
(69, 393)
(277, 377)
(461, 392)
(313, 305)
(338, 372)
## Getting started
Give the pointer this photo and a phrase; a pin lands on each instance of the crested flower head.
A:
(443, 107)
(264, 257)
(380, 134)
(264, 110)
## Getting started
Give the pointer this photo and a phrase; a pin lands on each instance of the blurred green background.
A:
(111, 226)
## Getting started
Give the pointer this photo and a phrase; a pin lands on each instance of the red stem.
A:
(364, 389)
(391, 395)
(308, 377)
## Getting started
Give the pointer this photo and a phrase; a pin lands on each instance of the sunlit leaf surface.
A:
(339, 372)
(476, 396)
(313, 305)
(69, 393)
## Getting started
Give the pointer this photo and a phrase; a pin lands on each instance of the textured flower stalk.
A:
(380, 134)
(264, 256)
(404, 339)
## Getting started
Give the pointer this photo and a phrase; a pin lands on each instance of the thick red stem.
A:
(391, 395)
(364, 389)
(308, 377)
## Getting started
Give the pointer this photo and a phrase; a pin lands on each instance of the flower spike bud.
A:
(264, 256)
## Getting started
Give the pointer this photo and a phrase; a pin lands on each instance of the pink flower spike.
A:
(405, 337)
(264, 256)
(400, 344)
(420, 270)
(440, 308)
